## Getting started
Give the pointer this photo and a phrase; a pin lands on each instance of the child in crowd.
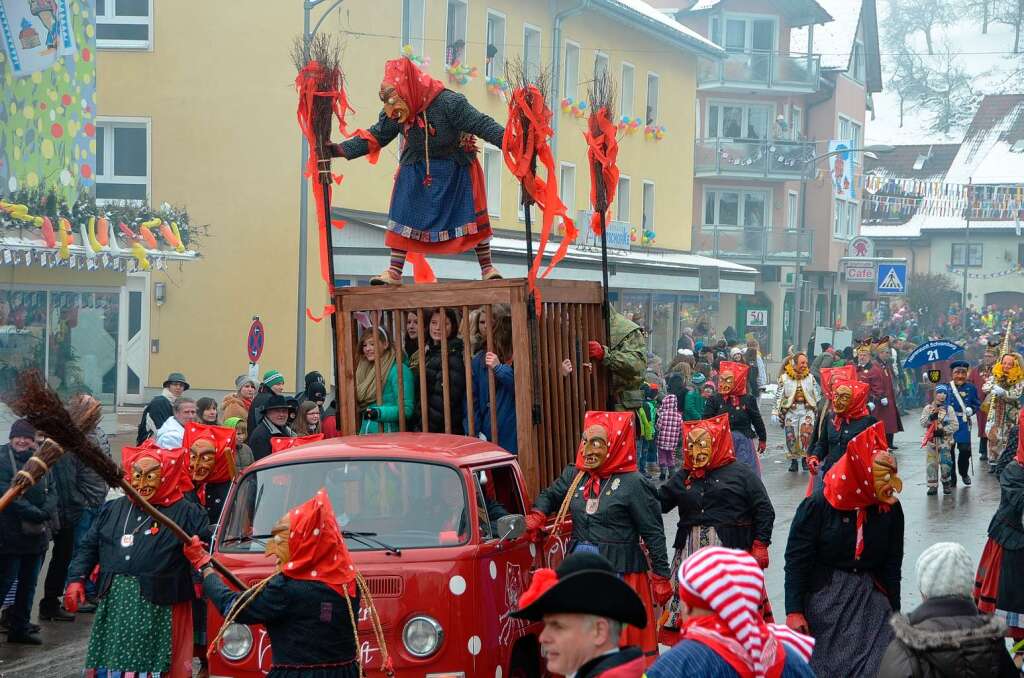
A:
(670, 424)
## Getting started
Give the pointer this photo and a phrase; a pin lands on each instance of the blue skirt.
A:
(744, 448)
(447, 210)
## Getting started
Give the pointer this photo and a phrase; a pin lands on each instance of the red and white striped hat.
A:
(730, 583)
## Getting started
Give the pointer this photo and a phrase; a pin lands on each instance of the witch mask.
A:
(395, 107)
(698, 447)
(147, 476)
(726, 381)
(277, 546)
(841, 400)
(887, 482)
(202, 456)
(595, 447)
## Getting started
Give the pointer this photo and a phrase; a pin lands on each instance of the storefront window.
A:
(700, 312)
(636, 307)
(22, 334)
(662, 341)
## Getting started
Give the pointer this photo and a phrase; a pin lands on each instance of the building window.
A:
(122, 159)
(716, 30)
(854, 133)
(124, 24)
(455, 40)
(749, 35)
(571, 83)
(736, 208)
(648, 214)
(531, 52)
(857, 67)
(567, 187)
(652, 98)
(851, 219)
(738, 121)
(413, 14)
(492, 178)
(972, 250)
(796, 122)
(600, 65)
(626, 92)
(838, 218)
(792, 211)
(622, 200)
(495, 63)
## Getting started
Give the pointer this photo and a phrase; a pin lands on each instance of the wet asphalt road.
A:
(962, 517)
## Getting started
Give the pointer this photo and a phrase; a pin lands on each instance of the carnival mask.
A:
(202, 456)
(841, 399)
(595, 447)
(395, 107)
(1008, 363)
(864, 355)
(146, 477)
(887, 483)
(698, 447)
(801, 365)
(726, 381)
(960, 376)
(277, 545)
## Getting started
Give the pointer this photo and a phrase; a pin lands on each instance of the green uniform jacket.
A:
(626, 361)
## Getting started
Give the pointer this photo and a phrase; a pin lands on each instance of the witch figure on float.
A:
(439, 203)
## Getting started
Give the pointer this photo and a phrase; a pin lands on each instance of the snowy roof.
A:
(902, 162)
(644, 14)
(811, 11)
(985, 155)
(924, 222)
(833, 40)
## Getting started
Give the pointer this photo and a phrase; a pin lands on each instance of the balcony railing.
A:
(765, 158)
(753, 245)
(762, 70)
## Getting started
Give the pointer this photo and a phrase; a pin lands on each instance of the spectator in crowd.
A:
(697, 397)
(274, 424)
(161, 407)
(500, 363)
(172, 432)
(669, 430)
(243, 453)
(757, 364)
(311, 379)
(444, 325)
(374, 356)
(237, 404)
(272, 384)
(946, 635)
(939, 420)
(411, 345)
(24, 532)
(317, 393)
(824, 359)
(686, 341)
(206, 411)
(308, 421)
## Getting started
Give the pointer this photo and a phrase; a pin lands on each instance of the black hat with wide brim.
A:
(587, 584)
(176, 377)
(279, 402)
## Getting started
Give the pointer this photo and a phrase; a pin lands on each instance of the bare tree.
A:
(980, 10)
(907, 17)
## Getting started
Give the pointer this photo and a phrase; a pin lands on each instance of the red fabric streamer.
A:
(527, 138)
(306, 84)
(421, 270)
(374, 153)
(602, 150)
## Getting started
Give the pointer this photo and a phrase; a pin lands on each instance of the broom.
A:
(37, 403)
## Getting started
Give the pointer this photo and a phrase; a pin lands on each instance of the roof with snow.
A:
(925, 162)
(639, 12)
(988, 154)
(800, 12)
(834, 40)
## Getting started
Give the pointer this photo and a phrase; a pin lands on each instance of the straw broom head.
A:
(325, 52)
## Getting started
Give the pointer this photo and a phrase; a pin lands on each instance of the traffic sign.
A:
(257, 338)
(862, 248)
(864, 273)
(892, 279)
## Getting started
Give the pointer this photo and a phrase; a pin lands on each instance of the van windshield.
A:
(399, 504)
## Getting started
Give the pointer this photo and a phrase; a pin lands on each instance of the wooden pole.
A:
(324, 164)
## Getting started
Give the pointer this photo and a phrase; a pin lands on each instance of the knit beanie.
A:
(698, 378)
(271, 377)
(232, 422)
(244, 379)
(945, 569)
(22, 429)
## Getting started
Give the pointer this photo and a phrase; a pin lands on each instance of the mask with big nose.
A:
(595, 447)
(147, 476)
(395, 107)
(698, 447)
(887, 482)
(202, 456)
(726, 381)
(842, 398)
(278, 546)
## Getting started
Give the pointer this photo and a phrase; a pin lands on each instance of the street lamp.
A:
(300, 319)
(872, 151)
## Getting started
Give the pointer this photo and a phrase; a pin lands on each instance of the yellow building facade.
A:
(214, 88)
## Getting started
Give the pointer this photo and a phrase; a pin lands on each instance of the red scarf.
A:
(225, 442)
(174, 477)
(739, 380)
(621, 449)
(858, 403)
(602, 155)
(317, 549)
(416, 88)
(833, 375)
(722, 452)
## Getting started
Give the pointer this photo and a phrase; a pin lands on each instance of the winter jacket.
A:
(504, 394)
(670, 424)
(387, 422)
(259, 401)
(832, 444)
(693, 405)
(432, 363)
(626, 361)
(233, 405)
(159, 410)
(627, 662)
(171, 434)
(259, 439)
(37, 506)
(91, 484)
(947, 638)
(745, 418)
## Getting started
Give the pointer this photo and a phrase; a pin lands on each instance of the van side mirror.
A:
(510, 527)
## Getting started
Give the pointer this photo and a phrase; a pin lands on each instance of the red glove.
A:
(762, 445)
(798, 622)
(535, 522)
(596, 350)
(760, 552)
(196, 554)
(661, 589)
(813, 465)
(74, 595)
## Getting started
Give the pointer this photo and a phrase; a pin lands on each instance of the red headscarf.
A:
(621, 448)
(722, 452)
(224, 441)
(281, 443)
(317, 551)
(416, 88)
(831, 374)
(175, 480)
(739, 379)
(850, 483)
(858, 402)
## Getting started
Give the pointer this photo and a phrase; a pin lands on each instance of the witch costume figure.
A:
(850, 417)
(212, 464)
(997, 589)
(720, 503)
(309, 605)
(830, 376)
(439, 203)
(844, 560)
(744, 415)
(143, 624)
(1004, 389)
(613, 507)
(796, 402)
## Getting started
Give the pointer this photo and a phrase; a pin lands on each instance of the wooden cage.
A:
(549, 405)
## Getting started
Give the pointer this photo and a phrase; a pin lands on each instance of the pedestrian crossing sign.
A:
(891, 279)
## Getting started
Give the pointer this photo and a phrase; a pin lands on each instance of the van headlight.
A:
(236, 642)
(422, 636)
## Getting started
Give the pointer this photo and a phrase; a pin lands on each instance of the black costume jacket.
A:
(832, 444)
(1006, 528)
(628, 510)
(308, 623)
(745, 418)
(822, 539)
(155, 559)
(731, 499)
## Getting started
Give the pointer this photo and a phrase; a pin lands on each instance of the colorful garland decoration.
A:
(655, 132)
(577, 109)
(458, 74)
(420, 60)
(497, 86)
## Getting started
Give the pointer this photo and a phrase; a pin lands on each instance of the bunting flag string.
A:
(1013, 270)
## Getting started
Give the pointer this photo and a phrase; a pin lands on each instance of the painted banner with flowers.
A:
(47, 105)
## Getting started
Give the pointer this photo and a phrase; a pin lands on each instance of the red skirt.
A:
(986, 583)
(647, 638)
